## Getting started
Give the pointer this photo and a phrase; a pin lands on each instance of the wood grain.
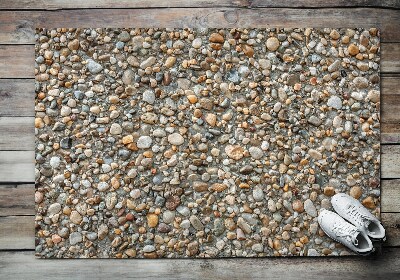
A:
(23, 265)
(17, 27)
(20, 134)
(391, 222)
(17, 232)
(390, 196)
(390, 163)
(17, 97)
(90, 4)
(17, 200)
(17, 166)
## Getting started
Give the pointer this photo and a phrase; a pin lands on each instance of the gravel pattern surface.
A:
(172, 143)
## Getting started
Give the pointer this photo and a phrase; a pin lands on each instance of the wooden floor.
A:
(18, 18)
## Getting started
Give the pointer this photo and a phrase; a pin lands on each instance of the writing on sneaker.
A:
(342, 231)
(354, 212)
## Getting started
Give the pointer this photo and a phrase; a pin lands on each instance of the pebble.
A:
(335, 102)
(272, 43)
(310, 208)
(256, 152)
(115, 129)
(234, 151)
(356, 192)
(55, 162)
(93, 66)
(197, 43)
(149, 96)
(75, 238)
(54, 208)
(258, 194)
(176, 139)
(144, 142)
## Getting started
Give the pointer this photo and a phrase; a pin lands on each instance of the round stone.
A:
(175, 139)
(272, 43)
(256, 152)
(197, 43)
(115, 129)
(144, 142)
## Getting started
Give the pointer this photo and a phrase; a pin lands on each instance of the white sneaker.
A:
(341, 231)
(354, 212)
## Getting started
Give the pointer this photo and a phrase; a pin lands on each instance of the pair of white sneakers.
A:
(354, 227)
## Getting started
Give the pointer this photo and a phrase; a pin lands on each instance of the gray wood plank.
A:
(20, 133)
(17, 166)
(17, 27)
(17, 232)
(90, 4)
(390, 195)
(23, 265)
(391, 222)
(17, 97)
(390, 163)
(17, 200)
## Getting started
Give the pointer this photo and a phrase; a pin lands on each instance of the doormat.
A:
(201, 143)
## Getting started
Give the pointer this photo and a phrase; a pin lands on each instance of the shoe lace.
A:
(362, 219)
(346, 231)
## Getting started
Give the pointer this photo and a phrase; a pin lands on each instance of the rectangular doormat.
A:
(201, 143)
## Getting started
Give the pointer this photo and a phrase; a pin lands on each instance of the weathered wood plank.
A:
(17, 97)
(390, 196)
(15, 60)
(17, 232)
(19, 134)
(17, 166)
(17, 200)
(17, 27)
(90, 4)
(391, 222)
(23, 265)
(390, 163)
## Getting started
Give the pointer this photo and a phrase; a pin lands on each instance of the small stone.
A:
(360, 82)
(102, 231)
(248, 51)
(256, 152)
(234, 151)
(170, 61)
(148, 62)
(54, 208)
(310, 208)
(124, 36)
(211, 119)
(103, 186)
(314, 120)
(353, 49)
(55, 162)
(329, 191)
(334, 34)
(357, 95)
(144, 142)
(216, 38)
(127, 139)
(197, 43)
(258, 194)
(148, 249)
(272, 43)
(334, 66)
(168, 216)
(93, 66)
(315, 154)
(199, 186)
(73, 45)
(356, 192)
(115, 129)
(75, 217)
(65, 111)
(335, 102)
(244, 225)
(374, 96)
(192, 98)
(297, 206)
(75, 238)
(196, 223)
(369, 203)
(149, 96)
(152, 220)
(176, 139)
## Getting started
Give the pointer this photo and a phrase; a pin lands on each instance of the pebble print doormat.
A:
(201, 143)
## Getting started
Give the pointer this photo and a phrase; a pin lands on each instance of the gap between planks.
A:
(17, 27)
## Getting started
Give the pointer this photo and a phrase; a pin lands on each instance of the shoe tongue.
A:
(354, 236)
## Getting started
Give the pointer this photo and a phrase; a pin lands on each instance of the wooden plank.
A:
(17, 232)
(23, 265)
(17, 27)
(390, 58)
(17, 97)
(17, 200)
(15, 60)
(90, 4)
(391, 222)
(17, 166)
(390, 196)
(20, 134)
(390, 163)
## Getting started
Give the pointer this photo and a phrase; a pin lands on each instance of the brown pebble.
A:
(248, 51)
(356, 192)
(298, 206)
(369, 203)
(353, 50)
(216, 38)
(329, 191)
